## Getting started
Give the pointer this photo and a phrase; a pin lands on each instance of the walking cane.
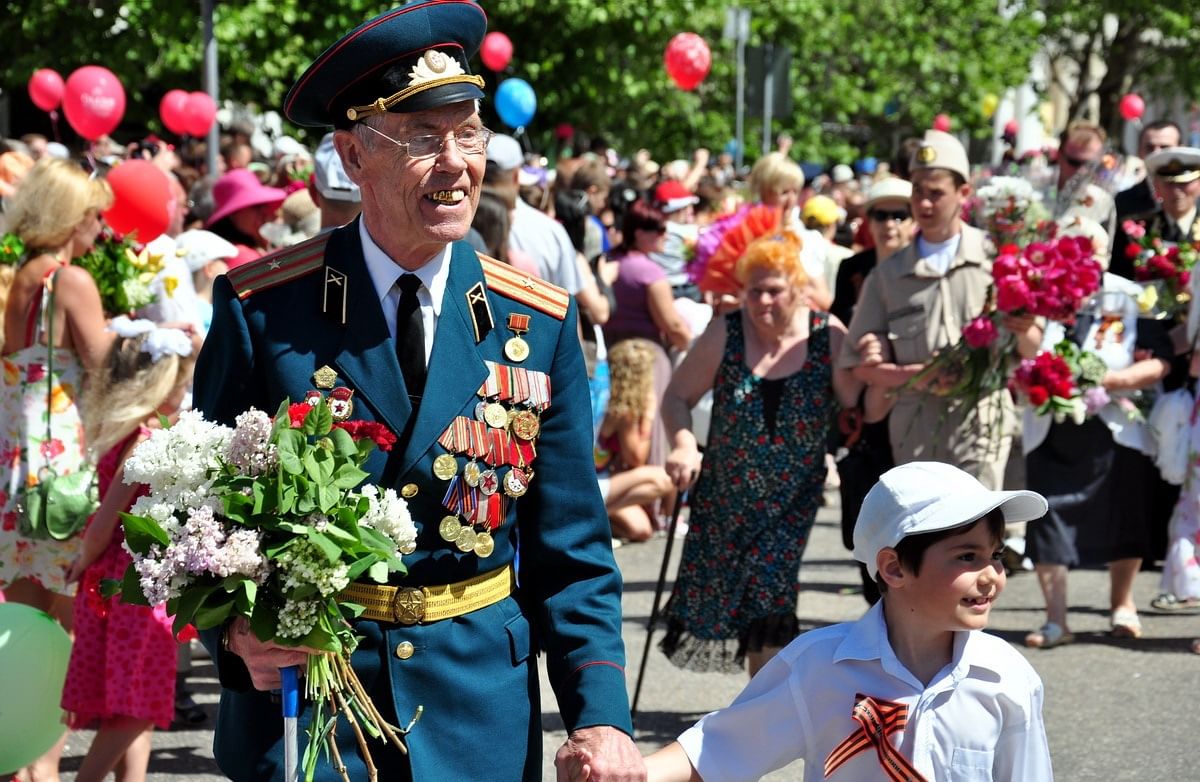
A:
(658, 590)
(291, 710)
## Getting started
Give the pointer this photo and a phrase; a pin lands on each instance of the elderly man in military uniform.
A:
(478, 370)
(1175, 175)
(915, 303)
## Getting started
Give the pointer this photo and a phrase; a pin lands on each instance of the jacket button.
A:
(404, 650)
(409, 491)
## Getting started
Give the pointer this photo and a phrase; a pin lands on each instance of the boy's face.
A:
(960, 578)
(936, 202)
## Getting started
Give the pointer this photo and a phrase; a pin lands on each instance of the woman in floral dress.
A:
(757, 496)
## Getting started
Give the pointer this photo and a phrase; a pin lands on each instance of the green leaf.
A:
(349, 477)
(213, 615)
(189, 604)
(322, 639)
(264, 621)
(290, 446)
(343, 444)
(331, 550)
(379, 572)
(141, 533)
(319, 421)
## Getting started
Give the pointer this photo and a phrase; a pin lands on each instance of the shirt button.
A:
(404, 650)
(409, 491)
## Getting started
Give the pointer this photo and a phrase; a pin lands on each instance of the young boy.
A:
(912, 692)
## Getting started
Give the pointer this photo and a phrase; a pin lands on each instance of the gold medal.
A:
(484, 545)
(471, 473)
(525, 425)
(466, 540)
(324, 378)
(409, 547)
(495, 415)
(449, 528)
(516, 349)
(445, 467)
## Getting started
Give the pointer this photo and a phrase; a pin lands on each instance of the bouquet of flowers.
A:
(1064, 381)
(267, 521)
(1050, 279)
(123, 271)
(1010, 210)
(1166, 265)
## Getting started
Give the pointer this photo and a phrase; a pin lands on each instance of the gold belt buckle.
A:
(408, 605)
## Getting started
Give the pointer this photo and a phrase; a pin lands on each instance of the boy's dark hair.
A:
(911, 549)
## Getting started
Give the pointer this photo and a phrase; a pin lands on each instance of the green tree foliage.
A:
(864, 74)
(1146, 46)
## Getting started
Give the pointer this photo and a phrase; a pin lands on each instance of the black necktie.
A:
(410, 338)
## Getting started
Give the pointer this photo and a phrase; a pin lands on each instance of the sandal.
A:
(1169, 603)
(1049, 636)
(1126, 624)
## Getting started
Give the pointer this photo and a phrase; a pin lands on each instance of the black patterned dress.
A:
(752, 508)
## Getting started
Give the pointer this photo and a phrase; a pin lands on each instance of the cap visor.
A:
(439, 96)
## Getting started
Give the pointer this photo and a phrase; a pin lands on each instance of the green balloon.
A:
(34, 651)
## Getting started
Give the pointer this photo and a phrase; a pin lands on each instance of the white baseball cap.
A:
(841, 174)
(927, 497)
(330, 177)
(504, 152)
(889, 188)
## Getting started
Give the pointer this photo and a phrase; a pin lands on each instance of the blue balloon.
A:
(515, 102)
(867, 165)
(731, 147)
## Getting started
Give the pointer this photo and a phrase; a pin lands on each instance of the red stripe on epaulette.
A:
(525, 288)
(279, 267)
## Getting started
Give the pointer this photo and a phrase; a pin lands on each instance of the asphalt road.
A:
(1115, 709)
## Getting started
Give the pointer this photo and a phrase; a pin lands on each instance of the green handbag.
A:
(58, 507)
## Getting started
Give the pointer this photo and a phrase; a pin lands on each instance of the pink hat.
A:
(238, 190)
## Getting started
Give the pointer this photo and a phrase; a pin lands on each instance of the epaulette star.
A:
(531, 291)
(279, 267)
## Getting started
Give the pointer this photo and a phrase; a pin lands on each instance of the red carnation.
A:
(1038, 396)
(373, 430)
(297, 411)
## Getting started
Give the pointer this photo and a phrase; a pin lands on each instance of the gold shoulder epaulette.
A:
(280, 266)
(525, 288)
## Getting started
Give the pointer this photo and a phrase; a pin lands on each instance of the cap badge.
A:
(434, 65)
(927, 155)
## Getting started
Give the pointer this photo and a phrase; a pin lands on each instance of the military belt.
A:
(412, 605)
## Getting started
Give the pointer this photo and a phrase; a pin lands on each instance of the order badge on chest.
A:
(498, 446)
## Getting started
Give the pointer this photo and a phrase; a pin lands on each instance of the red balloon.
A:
(142, 200)
(1132, 106)
(564, 131)
(46, 89)
(94, 101)
(172, 109)
(942, 122)
(198, 114)
(687, 59)
(1011, 127)
(497, 51)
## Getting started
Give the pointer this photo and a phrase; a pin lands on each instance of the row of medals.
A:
(522, 423)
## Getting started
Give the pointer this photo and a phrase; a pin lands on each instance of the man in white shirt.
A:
(913, 691)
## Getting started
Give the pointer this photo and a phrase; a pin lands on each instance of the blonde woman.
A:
(628, 483)
(56, 213)
(756, 498)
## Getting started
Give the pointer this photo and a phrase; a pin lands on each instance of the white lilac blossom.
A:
(388, 513)
(177, 463)
(250, 448)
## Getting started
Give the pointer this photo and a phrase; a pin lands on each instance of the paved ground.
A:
(1115, 710)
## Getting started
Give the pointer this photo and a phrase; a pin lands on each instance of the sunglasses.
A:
(884, 215)
(1075, 162)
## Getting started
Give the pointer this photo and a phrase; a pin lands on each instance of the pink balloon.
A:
(94, 101)
(172, 109)
(46, 89)
(1132, 106)
(942, 122)
(687, 60)
(1011, 128)
(142, 200)
(198, 114)
(497, 51)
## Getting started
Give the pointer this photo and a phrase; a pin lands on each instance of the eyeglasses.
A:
(470, 141)
(884, 215)
(1075, 162)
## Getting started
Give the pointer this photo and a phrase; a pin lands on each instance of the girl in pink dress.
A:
(122, 669)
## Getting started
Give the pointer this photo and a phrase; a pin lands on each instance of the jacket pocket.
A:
(906, 332)
(971, 765)
(518, 638)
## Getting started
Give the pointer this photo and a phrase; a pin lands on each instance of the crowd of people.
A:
(750, 339)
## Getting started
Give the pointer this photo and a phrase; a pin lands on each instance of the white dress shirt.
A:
(980, 718)
(385, 273)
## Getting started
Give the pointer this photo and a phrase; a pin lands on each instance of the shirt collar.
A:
(972, 250)
(384, 272)
(868, 640)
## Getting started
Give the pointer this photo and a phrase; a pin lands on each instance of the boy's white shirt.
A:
(980, 718)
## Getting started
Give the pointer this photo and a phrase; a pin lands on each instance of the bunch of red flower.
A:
(1051, 279)
(1154, 259)
(1043, 378)
(358, 430)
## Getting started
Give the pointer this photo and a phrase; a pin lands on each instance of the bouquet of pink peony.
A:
(268, 520)
(1063, 382)
(1167, 266)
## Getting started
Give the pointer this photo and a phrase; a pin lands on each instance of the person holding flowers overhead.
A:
(478, 371)
(916, 304)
